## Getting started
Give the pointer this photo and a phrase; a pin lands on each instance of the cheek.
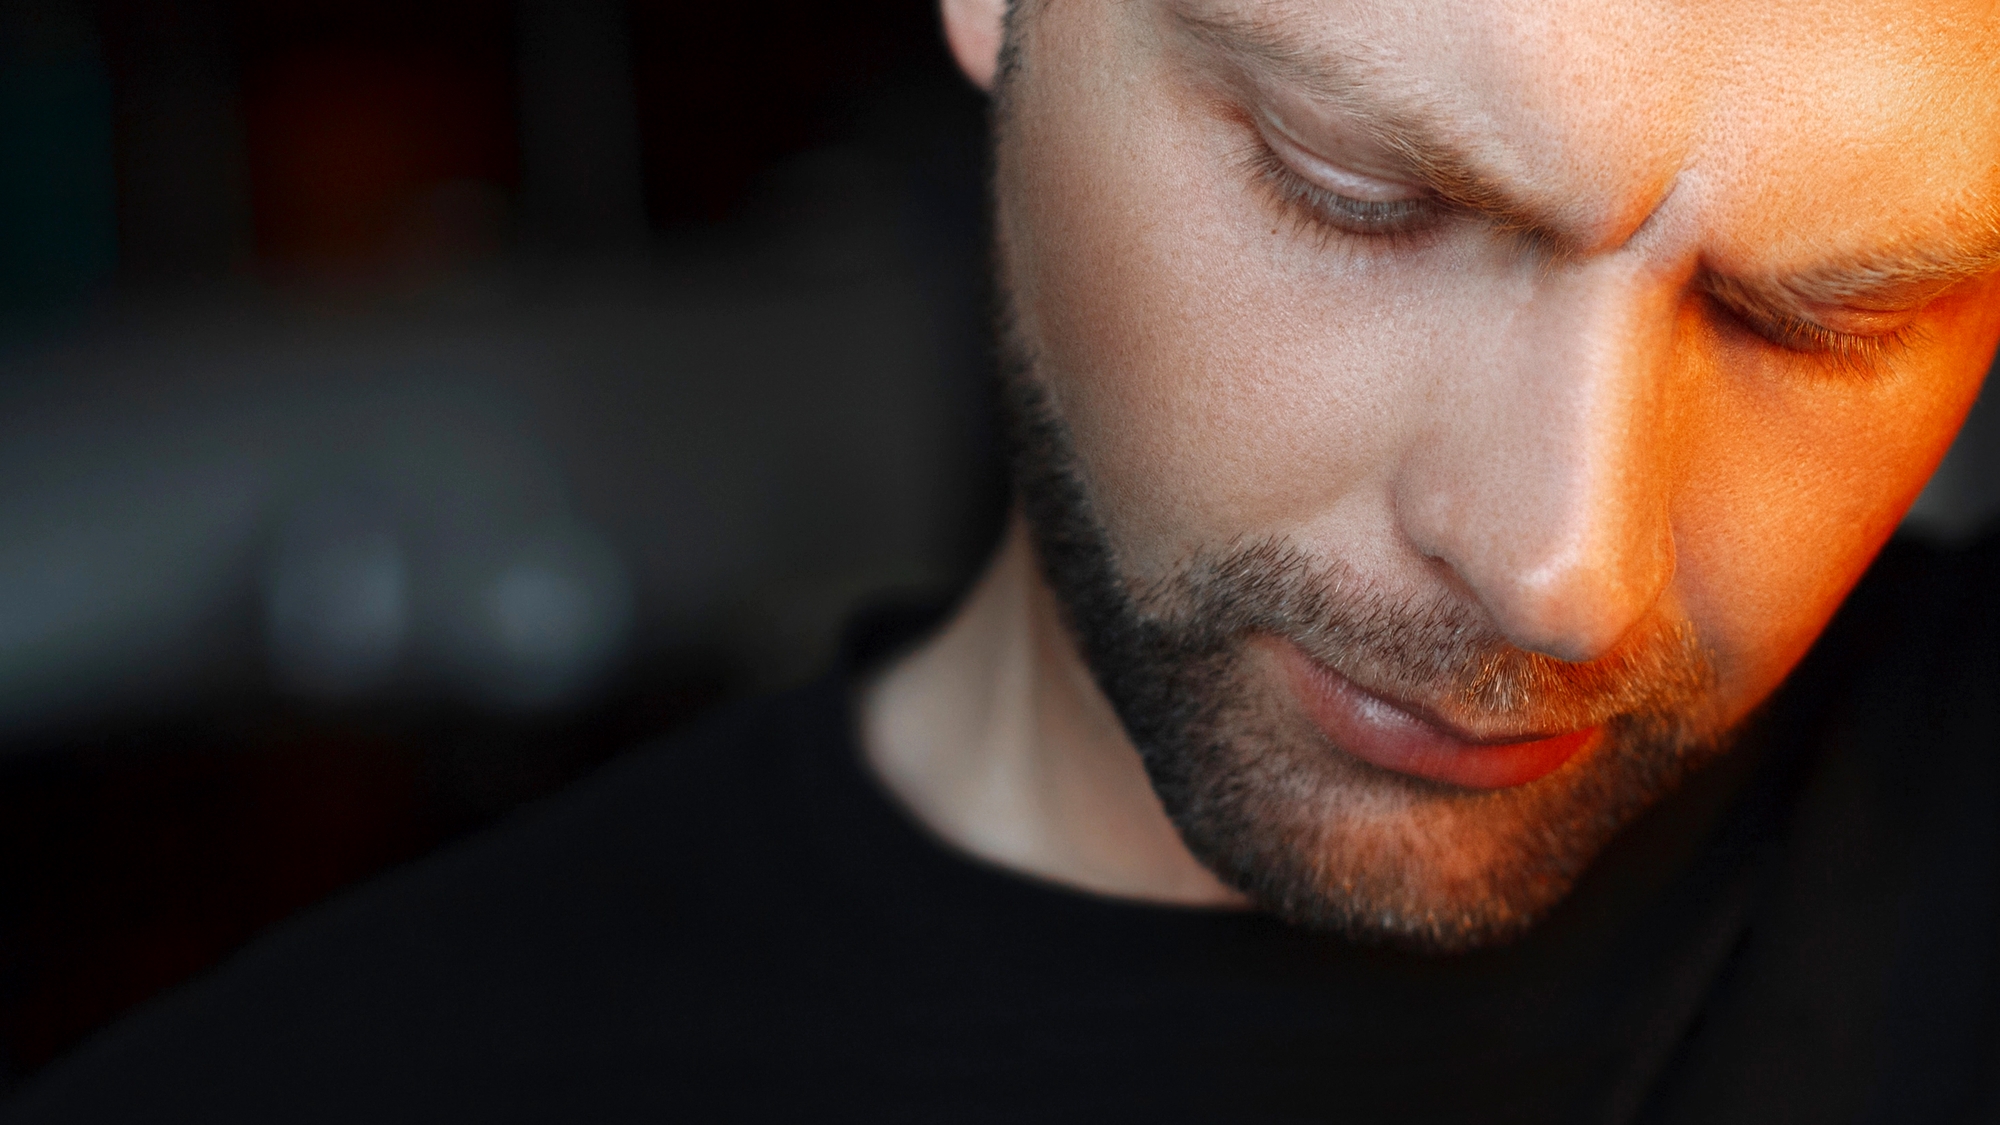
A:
(1793, 484)
(1223, 375)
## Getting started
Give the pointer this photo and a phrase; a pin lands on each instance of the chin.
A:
(1262, 789)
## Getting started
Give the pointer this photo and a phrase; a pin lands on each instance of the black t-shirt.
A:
(737, 925)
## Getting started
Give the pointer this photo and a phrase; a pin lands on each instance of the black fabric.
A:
(738, 926)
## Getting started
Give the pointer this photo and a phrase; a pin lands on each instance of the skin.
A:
(1571, 403)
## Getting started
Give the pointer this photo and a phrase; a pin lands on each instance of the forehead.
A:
(1835, 125)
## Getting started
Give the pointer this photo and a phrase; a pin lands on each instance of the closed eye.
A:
(1332, 214)
(1853, 353)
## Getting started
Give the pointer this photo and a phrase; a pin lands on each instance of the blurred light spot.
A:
(338, 611)
(548, 622)
(540, 616)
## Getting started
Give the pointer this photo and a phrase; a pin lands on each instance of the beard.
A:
(1265, 800)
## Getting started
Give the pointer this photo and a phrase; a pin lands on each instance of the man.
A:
(1440, 429)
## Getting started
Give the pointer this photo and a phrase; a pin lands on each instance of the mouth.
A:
(1404, 738)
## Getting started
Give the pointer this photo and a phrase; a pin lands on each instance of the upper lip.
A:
(1453, 730)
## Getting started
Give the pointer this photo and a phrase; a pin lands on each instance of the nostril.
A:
(1561, 532)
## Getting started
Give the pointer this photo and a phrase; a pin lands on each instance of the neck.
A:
(995, 736)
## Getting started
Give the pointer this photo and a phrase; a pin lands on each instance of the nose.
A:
(1543, 482)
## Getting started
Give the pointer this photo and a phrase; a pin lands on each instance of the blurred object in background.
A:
(581, 186)
(58, 206)
(184, 215)
(406, 406)
(376, 135)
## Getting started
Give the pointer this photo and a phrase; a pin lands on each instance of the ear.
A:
(974, 28)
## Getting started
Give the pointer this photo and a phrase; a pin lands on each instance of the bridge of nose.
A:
(1544, 482)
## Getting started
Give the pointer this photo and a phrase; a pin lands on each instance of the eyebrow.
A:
(1400, 121)
(1416, 131)
(1972, 249)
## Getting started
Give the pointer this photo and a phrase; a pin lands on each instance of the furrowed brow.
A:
(1399, 121)
(1880, 279)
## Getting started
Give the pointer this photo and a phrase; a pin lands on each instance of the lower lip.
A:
(1382, 734)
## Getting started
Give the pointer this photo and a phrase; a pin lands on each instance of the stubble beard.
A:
(1263, 799)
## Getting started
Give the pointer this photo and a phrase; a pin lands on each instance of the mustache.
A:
(1432, 650)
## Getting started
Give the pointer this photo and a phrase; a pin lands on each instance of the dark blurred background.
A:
(406, 406)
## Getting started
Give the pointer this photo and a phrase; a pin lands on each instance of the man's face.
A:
(1443, 421)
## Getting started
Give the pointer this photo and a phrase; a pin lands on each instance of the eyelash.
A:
(1849, 353)
(1330, 214)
